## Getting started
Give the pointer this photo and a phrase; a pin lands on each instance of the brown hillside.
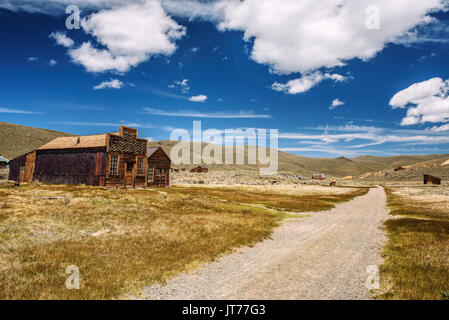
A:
(16, 140)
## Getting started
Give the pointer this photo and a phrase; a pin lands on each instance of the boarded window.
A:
(140, 166)
(113, 168)
(150, 174)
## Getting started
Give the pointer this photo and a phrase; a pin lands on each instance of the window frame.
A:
(111, 171)
(150, 174)
(141, 169)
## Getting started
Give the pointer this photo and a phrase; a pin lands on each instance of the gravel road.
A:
(323, 256)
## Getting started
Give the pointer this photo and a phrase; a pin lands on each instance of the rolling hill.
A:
(337, 167)
(16, 140)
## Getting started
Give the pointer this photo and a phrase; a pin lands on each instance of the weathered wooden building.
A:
(428, 179)
(318, 176)
(200, 169)
(116, 159)
(3, 162)
(159, 164)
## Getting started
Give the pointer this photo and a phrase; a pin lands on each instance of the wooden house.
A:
(3, 162)
(159, 165)
(200, 169)
(399, 169)
(318, 176)
(113, 159)
(428, 179)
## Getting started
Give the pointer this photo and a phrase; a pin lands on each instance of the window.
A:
(162, 172)
(150, 174)
(113, 168)
(140, 166)
(22, 169)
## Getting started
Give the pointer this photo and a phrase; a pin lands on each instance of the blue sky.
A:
(331, 91)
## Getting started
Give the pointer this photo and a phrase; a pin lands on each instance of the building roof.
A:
(76, 142)
(3, 159)
(152, 150)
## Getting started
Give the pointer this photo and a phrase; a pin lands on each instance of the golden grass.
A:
(147, 236)
(416, 255)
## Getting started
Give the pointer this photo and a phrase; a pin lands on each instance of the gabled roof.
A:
(152, 150)
(76, 142)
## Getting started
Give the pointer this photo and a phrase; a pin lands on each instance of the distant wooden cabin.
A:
(116, 159)
(428, 179)
(159, 165)
(318, 176)
(3, 162)
(399, 169)
(200, 169)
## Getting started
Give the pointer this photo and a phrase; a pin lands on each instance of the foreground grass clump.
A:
(275, 200)
(121, 240)
(417, 252)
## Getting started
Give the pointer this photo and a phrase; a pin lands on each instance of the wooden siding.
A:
(14, 167)
(74, 166)
(158, 161)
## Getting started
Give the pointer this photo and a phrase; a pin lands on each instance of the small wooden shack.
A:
(200, 169)
(428, 179)
(116, 159)
(318, 176)
(399, 169)
(3, 162)
(159, 164)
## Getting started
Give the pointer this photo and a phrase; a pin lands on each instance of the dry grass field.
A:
(417, 252)
(122, 240)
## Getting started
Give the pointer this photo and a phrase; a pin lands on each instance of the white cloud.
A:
(32, 59)
(306, 82)
(105, 124)
(199, 98)
(442, 128)
(195, 49)
(131, 33)
(182, 84)
(428, 101)
(336, 103)
(7, 110)
(112, 84)
(302, 36)
(52, 62)
(199, 114)
(62, 39)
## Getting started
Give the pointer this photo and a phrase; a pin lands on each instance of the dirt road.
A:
(323, 256)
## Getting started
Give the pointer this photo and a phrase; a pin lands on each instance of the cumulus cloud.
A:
(427, 101)
(182, 84)
(52, 62)
(302, 36)
(336, 103)
(32, 59)
(62, 39)
(199, 98)
(130, 33)
(111, 84)
(306, 82)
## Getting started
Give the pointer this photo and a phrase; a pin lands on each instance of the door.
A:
(159, 177)
(129, 177)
